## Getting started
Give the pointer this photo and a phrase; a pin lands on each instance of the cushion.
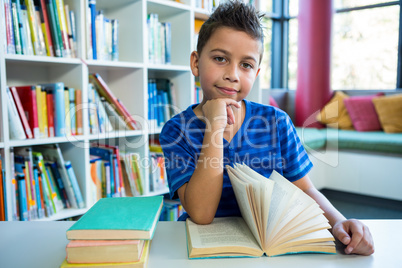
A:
(272, 102)
(389, 111)
(373, 141)
(334, 113)
(362, 112)
(311, 138)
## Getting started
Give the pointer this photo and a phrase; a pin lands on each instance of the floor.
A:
(364, 207)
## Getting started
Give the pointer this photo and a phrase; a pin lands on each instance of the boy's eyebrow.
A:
(229, 54)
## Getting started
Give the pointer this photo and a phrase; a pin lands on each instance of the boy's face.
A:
(228, 64)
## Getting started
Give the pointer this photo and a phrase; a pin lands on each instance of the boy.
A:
(225, 128)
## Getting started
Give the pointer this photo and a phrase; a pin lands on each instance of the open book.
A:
(277, 218)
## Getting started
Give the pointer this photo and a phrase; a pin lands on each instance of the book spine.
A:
(23, 202)
(50, 111)
(41, 211)
(58, 183)
(16, 28)
(53, 29)
(78, 107)
(69, 30)
(9, 27)
(168, 42)
(72, 111)
(108, 179)
(45, 190)
(115, 40)
(14, 121)
(92, 8)
(63, 28)
(100, 36)
(68, 115)
(32, 25)
(74, 183)
(39, 104)
(21, 113)
(27, 32)
(73, 32)
(56, 199)
(59, 110)
(27, 95)
(46, 28)
(88, 36)
(22, 30)
(41, 38)
(43, 109)
(116, 174)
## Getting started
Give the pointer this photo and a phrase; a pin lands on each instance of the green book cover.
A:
(119, 218)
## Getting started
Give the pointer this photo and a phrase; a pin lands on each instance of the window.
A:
(365, 46)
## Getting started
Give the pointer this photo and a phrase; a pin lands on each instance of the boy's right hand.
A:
(218, 112)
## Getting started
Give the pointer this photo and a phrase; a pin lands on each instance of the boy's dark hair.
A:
(236, 15)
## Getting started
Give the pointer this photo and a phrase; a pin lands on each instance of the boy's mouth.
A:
(228, 90)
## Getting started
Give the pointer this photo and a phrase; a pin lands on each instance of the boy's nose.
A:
(231, 73)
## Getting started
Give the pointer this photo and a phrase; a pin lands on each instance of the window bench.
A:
(368, 163)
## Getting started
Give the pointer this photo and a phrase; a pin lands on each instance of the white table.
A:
(42, 244)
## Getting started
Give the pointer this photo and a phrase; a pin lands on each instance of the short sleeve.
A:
(296, 161)
(179, 157)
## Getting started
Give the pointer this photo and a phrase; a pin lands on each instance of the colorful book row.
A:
(161, 101)
(171, 211)
(45, 110)
(43, 183)
(40, 27)
(159, 40)
(102, 35)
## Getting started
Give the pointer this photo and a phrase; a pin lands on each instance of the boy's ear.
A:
(258, 71)
(194, 59)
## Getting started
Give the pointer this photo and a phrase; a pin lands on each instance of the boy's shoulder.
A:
(264, 109)
(178, 120)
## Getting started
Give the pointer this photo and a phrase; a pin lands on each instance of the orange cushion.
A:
(334, 114)
(389, 111)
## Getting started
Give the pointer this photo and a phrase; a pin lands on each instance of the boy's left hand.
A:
(355, 235)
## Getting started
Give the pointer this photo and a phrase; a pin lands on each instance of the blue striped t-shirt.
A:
(266, 141)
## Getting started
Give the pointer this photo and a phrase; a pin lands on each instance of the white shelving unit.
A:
(127, 78)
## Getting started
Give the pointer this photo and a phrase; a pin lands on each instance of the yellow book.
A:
(39, 103)
(43, 108)
(143, 262)
(68, 112)
(63, 28)
(33, 24)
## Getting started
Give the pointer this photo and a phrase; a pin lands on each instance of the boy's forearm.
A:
(330, 212)
(203, 191)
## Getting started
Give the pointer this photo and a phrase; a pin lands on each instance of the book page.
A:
(241, 193)
(222, 232)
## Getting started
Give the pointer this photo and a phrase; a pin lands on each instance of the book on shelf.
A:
(131, 173)
(53, 153)
(104, 251)
(63, 28)
(27, 96)
(277, 218)
(59, 107)
(67, 113)
(172, 210)
(21, 112)
(96, 167)
(79, 112)
(9, 27)
(141, 263)
(44, 19)
(3, 197)
(104, 91)
(50, 111)
(16, 128)
(135, 218)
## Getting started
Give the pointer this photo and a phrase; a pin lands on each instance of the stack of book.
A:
(44, 111)
(115, 232)
(40, 27)
(44, 183)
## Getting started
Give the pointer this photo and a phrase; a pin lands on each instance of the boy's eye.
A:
(247, 65)
(220, 59)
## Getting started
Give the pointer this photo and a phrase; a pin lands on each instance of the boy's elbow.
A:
(202, 218)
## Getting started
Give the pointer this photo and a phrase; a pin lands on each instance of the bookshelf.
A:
(128, 79)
